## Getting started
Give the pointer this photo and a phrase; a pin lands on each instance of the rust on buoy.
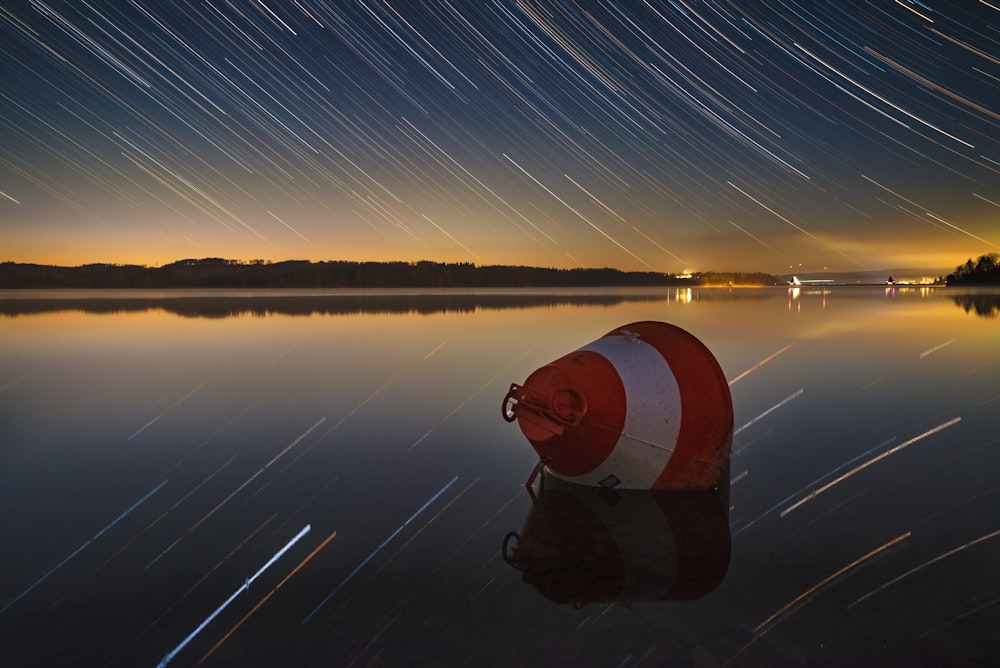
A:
(645, 406)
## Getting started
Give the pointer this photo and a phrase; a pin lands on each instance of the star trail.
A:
(674, 135)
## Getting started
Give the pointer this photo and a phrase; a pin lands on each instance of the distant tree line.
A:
(984, 271)
(221, 273)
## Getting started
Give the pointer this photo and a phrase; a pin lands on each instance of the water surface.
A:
(324, 478)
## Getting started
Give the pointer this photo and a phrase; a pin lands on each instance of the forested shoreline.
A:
(305, 274)
(221, 273)
(984, 271)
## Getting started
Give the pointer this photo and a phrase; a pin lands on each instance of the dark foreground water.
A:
(275, 478)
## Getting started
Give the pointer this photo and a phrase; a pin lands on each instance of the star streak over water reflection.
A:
(281, 485)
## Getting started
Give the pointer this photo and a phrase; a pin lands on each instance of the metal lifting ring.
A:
(509, 406)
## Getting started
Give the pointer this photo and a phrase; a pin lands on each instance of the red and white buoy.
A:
(646, 406)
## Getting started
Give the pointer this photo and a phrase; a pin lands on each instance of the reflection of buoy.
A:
(583, 545)
(646, 406)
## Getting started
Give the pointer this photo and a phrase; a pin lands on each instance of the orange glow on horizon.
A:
(706, 252)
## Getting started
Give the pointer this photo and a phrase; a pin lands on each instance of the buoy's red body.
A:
(646, 406)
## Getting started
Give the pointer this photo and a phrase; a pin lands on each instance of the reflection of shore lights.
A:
(683, 295)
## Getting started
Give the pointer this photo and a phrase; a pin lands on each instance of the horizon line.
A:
(265, 262)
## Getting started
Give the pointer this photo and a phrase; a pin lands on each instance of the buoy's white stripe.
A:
(652, 414)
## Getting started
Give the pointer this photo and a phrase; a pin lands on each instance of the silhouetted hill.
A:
(220, 273)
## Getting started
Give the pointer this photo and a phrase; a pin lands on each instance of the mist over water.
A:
(324, 478)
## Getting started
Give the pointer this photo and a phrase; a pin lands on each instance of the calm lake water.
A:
(325, 478)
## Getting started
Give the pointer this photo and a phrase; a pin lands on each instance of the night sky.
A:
(679, 135)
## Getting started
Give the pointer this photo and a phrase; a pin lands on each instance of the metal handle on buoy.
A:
(509, 406)
(563, 406)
